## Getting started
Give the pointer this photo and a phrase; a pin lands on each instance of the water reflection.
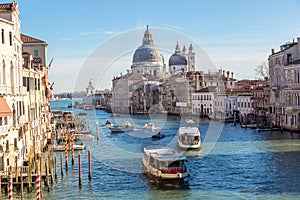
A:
(168, 189)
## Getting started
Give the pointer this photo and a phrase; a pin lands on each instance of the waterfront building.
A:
(37, 97)
(203, 101)
(220, 78)
(284, 70)
(261, 103)
(24, 99)
(122, 90)
(244, 104)
(11, 88)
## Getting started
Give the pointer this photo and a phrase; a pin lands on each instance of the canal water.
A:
(234, 163)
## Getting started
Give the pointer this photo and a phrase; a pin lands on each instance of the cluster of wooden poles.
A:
(29, 176)
(41, 170)
(69, 146)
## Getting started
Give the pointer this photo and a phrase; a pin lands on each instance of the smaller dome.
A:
(177, 59)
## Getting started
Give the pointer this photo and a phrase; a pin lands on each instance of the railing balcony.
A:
(4, 89)
(4, 130)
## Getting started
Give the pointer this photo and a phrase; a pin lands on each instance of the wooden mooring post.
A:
(79, 171)
(61, 166)
(89, 164)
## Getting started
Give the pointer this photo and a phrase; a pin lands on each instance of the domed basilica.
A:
(148, 59)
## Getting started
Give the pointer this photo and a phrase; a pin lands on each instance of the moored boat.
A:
(164, 163)
(125, 128)
(62, 147)
(189, 138)
(267, 129)
(83, 137)
(190, 121)
(248, 125)
(149, 126)
(158, 136)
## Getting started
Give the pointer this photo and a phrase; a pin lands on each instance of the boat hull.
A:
(155, 173)
(120, 130)
(62, 148)
(189, 146)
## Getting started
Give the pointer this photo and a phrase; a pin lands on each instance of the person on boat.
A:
(158, 133)
(107, 122)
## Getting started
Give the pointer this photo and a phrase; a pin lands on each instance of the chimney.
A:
(272, 51)
(266, 81)
(232, 75)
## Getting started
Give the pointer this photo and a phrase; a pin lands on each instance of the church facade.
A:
(146, 85)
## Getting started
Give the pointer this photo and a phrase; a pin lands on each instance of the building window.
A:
(2, 36)
(289, 58)
(10, 38)
(35, 53)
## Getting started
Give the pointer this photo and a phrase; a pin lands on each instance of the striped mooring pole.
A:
(79, 171)
(10, 188)
(72, 147)
(89, 164)
(38, 186)
(66, 151)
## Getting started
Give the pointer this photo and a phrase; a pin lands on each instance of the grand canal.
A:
(243, 164)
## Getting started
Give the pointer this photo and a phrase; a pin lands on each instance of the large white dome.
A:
(148, 59)
(147, 53)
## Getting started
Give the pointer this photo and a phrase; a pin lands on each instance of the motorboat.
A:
(108, 124)
(248, 125)
(88, 107)
(158, 136)
(190, 121)
(77, 147)
(83, 136)
(149, 126)
(268, 129)
(164, 163)
(125, 128)
(189, 138)
(82, 113)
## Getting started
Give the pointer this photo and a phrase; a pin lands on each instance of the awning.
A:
(4, 108)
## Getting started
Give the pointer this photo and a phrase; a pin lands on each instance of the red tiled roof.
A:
(28, 39)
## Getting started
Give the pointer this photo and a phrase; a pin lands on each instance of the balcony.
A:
(4, 130)
(4, 89)
(275, 88)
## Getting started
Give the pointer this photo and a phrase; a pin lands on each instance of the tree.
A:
(262, 70)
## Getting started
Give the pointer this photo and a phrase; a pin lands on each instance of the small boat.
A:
(149, 126)
(82, 114)
(88, 107)
(164, 163)
(248, 125)
(267, 129)
(77, 147)
(108, 124)
(83, 136)
(125, 128)
(190, 121)
(189, 138)
(158, 136)
(114, 115)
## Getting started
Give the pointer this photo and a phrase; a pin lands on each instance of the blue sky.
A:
(237, 35)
